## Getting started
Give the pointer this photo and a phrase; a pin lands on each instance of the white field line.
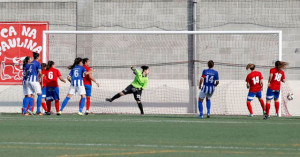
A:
(142, 120)
(152, 146)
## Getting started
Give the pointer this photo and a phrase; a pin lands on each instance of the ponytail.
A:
(25, 61)
(280, 65)
(251, 66)
(49, 65)
(144, 67)
(76, 62)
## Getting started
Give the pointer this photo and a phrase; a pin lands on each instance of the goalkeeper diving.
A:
(139, 84)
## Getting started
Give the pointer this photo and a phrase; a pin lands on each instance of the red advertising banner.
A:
(18, 40)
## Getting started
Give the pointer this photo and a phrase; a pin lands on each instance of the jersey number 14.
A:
(209, 79)
(255, 80)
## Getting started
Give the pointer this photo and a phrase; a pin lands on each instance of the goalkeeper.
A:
(140, 83)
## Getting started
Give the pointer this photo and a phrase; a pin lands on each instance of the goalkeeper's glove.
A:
(132, 68)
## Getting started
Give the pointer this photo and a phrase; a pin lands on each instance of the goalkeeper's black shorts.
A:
(137, 93)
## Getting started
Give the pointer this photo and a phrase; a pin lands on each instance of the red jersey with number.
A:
(278, 76)
(52, 76)
(87, 80)
(253, 79)
(45, 80)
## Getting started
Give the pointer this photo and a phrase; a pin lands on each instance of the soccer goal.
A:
(176, 60)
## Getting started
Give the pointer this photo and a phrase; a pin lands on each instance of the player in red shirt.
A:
(276, 77)
(87, 81)
(52, 86)
(254, 83)
(43, 82)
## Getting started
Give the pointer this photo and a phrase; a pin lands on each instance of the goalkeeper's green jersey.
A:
(140, 81)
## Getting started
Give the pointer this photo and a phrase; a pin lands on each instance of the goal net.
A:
(176, 61)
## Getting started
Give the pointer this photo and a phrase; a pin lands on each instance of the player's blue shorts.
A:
(252, 95)
(88, 90)
(272, 94)
(44, 93)
(52, 93)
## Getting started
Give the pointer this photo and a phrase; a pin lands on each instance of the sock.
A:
(141, 107)
(49, 106)
(64, 103)
(116, 97)
(277, 106)
(31, 104)
(57, 105)
(39, 103)
(25, 104)
(82, 103)
(268, 106)
(262, 103)
(88, 102)
(44, 106)
(208, 106)
(79, 104)
(249, 107)
(200, 106)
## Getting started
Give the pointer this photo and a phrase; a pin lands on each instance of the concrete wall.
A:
(158, 15)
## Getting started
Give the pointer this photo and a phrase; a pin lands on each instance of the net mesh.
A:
(170, 89)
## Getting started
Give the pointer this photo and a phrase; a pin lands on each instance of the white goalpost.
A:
(176, 65)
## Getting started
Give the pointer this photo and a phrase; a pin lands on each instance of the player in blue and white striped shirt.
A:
(33, 77)
(77, 86)
(27, 91)
(210, 79)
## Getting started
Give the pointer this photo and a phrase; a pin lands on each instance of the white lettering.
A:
(3, 31)
(12, 31)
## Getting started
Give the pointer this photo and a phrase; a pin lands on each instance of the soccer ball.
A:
(290, 96)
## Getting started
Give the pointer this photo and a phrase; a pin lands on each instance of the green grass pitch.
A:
(148, 136)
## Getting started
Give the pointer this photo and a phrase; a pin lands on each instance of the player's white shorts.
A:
(77, 89)
(26, 89)
(202, 95)
(35, 87)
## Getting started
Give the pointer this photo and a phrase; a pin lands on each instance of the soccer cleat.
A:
(80, 113)
(48, 113)
(208, 115)
(200, 117)
(108, 99)
(276, 115)
(250, 115)
(26, 114)
(58, 113)
(266, 117)
(29, 112)
(39, 114)
(86, 112)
